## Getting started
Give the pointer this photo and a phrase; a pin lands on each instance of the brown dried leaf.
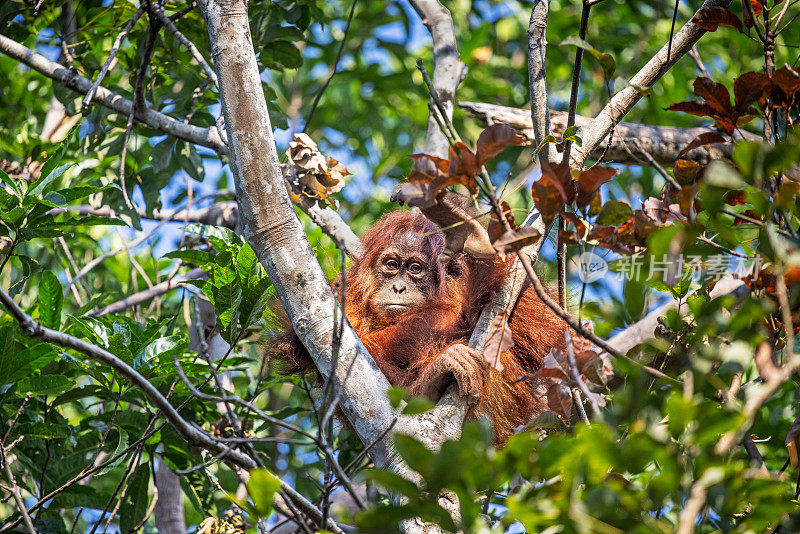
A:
(419, 193)
(707, 138)
(462, 162)
(559, 400)
(559, 175)
(311, 174)
(693, 107)
(686, 171)
(498, 340)
(712, 17)
(427, 166)
(546, 198)
(515, 239)
(715, 94)
(494, 139)
(589, 181)
(748, 88)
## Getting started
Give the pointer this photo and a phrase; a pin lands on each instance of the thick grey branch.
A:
(537, 76)
(448, 70)
(663, 143)
(622, 102)
(270, 225)
(207, 137)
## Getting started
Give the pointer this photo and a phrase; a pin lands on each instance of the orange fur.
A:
(406, 346)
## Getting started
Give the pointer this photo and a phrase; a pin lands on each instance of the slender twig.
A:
(207, 137)
(576, 77)
(147, 294)
(111, 55)
(333, 68)
(190, 434)
(651, 160)
(193, 50)
(26, 518)
(578, 402)
(672, 29)
(576, 375)
(695, 55)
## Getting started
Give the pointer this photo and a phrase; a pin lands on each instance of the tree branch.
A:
(537, 77)
(448, 70)
(147, 294)
(622, 102)
(663, 143)
(207, 137)
(189, 433)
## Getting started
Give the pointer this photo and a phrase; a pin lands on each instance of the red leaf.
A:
(546, 198)
(498, 340)
(559, 175)
(686, 171)
(710, 18)
(715, 94)
(495, 228)
(708, 138)
(419, 193)
(559, 400)
(735, 198)
(599, 232)
(579, 225)
(494, 139)
(426, 165)
(462, 162)
(748, 88)
(515, 239)
(787, 80)
(699, 109)
(590, 181)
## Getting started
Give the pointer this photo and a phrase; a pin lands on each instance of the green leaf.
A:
(16, 365)
(283, 53)
(607, 62)
(43, 184)
(262, 487)
(160, 154)
(614, 212)
(245, 260)
(221, 238)
(417, 405)
(134, 507)
(393, 482)
(35, 429)
(29, 268)
(51, 296)
(414, 453)
(197, 257)
(44, 384)
(571, 134)
(47, 169)
(396, 394)
(26, 234)
(163, 348)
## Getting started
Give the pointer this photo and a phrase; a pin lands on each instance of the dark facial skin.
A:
(404, 279)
